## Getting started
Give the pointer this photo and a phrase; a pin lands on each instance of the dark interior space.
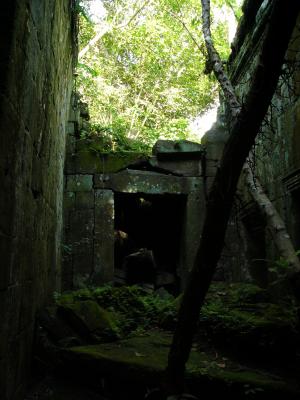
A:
(148, 237)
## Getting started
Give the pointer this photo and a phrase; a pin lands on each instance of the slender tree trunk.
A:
(244, 128)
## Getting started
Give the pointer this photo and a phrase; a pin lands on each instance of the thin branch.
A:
(107, 28)
(188, 31)
(216, 62)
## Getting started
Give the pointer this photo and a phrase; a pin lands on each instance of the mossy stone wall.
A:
(36, 57)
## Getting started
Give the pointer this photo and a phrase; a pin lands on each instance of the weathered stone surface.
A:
(144, 359)
(56, 327)
(179, 167)
(90, 156)
(131, 181)
(79, 183)
(85, 200)
(104, 237)
(186, 148)
(277, 145)
(88, 319)
(35, 81)
(69, 200)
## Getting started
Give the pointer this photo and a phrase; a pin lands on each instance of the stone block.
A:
(92, 157)
(104, 237)
(70, 142)
(70, 130)
(83, 263)
(69, 200)
(179, 148)
(85, 200)
(79, 183)
(179, 167)
(67, 270)
(131, 181)
(88, 162)
(81, 229)
(70, 164)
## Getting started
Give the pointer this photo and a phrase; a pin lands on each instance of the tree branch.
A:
(216, 62)
(108, 28)
(275, 223)
(244, 128)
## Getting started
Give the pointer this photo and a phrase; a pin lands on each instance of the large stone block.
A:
(180, 149)
(79, 183)
(131, 181)
(83, 264)
(85, 200)
(179, 167)
(89, 159)
(69, 200)
(81, 229)
(104, 237)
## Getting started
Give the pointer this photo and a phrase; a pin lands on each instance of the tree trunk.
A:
(244, 128)
(275, 223)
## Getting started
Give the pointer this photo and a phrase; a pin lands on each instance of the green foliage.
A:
(114, 138)
(243, 313)
(137, 309)
(143, 78)
(280, 268)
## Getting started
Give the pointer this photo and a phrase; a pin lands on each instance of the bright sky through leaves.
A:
(143, 77)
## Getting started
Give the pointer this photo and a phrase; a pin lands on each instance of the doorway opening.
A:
(148, 234)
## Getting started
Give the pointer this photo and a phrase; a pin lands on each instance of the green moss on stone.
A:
(92, 158)
(145, 358)
(89, 319)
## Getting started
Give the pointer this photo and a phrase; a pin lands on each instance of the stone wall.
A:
(36, 50)
(93, 182)
(277, 148)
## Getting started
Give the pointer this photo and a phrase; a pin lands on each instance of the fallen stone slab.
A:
(142, 360)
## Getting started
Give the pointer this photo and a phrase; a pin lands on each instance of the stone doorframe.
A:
(144, 182)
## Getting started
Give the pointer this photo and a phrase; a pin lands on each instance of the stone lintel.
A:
(131, 181)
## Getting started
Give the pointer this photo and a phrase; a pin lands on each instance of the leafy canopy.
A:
(141, 67)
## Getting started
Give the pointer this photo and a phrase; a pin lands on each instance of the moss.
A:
(88, 319)
(145, 358)
(230, 313)
(258, 329)
(92, 157)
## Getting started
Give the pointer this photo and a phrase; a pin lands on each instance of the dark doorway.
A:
(152, 222)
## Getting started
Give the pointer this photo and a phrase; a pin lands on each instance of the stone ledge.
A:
(131, 181)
